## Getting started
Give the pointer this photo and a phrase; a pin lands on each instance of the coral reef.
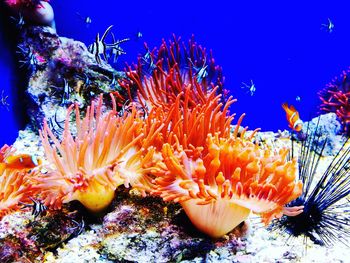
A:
(335, 98)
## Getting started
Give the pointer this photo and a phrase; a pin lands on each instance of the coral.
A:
(335, 98)
(105, 153)
(160, 75)
(219, 189)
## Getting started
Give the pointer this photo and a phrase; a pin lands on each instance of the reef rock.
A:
(61, 71)
(328, 129)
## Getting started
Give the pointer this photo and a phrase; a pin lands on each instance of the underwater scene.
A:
(183, 131)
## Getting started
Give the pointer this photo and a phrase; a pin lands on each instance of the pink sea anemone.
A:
(107, 151)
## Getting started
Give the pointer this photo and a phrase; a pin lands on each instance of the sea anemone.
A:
(234, 176)
(106, 152)
(336, 98)
(161, 75)
(13, 189)
(326, 217)
(189, 126)
(14, 177)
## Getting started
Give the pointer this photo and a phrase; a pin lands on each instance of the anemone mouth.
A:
(216, 218)
(96, 198)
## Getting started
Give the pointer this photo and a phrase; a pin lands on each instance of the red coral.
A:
(161, 75)
(336, 98)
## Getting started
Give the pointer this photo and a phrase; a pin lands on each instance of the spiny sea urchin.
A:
(326, 215)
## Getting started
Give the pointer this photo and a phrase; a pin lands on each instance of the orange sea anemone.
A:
(219, 189)
(14, 179)
(105, 153)
(14, 188)
(189, 125)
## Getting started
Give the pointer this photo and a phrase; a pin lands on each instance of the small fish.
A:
(38, 208)
(329, 26)
(19, 21)
(251, 88)
(147, 59)
(293, 119)
(297, 98)
(116, 50)
(87, 19)
(99, 47)
(200, 73)
(3, 101)
(21, 161)
(138, 35)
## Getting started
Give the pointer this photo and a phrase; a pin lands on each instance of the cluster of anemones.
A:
(336, 98)
(218, 177)
(173, 140)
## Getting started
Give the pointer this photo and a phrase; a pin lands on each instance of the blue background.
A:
(280, 46)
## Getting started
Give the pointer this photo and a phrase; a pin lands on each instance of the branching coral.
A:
(336, 98)
(106, 152)
(219, 189)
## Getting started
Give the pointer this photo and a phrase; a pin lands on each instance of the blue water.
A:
(281, 47)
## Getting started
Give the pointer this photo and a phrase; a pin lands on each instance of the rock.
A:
(61, 72)
(329, 132)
